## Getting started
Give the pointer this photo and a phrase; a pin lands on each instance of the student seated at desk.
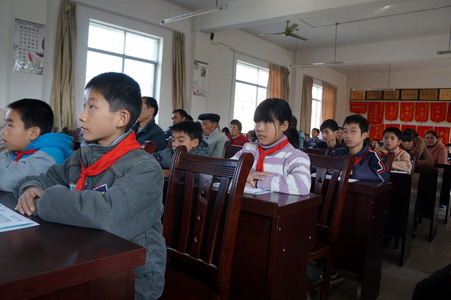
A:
(436, 148)
(110, 183)
(414, 144)
(33, 148)
(185, 133)
(392, 142)
(329, 132)
(368, 165)
(278, 166)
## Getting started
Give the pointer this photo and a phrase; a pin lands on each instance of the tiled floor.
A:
(398, 282)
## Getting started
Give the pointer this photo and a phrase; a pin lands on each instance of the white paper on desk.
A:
(247, 189)
(328, 176)
(401, 172)
(10, 220)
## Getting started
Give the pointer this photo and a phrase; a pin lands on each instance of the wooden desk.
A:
(360, 241)
(275, 235)
(445, 193)
(399, 223)
(65, 262)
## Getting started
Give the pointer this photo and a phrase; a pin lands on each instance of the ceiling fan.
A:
(289, 31)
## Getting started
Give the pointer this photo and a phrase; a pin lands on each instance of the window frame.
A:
(319, 102)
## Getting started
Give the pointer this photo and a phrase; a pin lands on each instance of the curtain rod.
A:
(78, 2)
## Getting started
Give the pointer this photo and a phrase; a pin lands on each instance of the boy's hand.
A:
(27, 202)
(254, 176)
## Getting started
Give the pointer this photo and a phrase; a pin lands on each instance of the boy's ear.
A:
(195, 143)
(124, 118)
(34, 132)
(364, 135)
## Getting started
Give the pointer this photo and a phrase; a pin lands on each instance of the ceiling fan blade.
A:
(298, 36)
(293, 27)
(275, 33)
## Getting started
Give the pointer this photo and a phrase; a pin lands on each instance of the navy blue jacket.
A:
(367, 166)
(151, 132)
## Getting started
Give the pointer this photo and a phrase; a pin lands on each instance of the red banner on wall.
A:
(392, 125)
(443, 133)
(449, 113)
(376, 113)
(391, 111)
(421, 111)
(376, 132)
(358, 107)
(405, 126)
(406, 111)
(421, 130)
(438, 112)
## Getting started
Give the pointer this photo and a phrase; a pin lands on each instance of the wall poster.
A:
(28, 47)
(200, 78)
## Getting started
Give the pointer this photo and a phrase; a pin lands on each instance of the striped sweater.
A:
(290, 168)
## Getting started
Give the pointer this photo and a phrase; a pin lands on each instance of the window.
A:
(250, 90)
(112, 49)
(317, 98)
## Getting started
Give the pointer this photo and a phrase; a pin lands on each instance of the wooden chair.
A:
(388, 159)
(200, 225)
(413, 160)
(149, 146)
(316, 151)
(230, 150)
(333, 191)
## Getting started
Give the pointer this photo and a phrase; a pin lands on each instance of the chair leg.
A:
(328, 266)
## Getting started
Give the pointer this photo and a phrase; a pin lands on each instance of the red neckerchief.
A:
(20, 154)
(263, 154)
(108, 159)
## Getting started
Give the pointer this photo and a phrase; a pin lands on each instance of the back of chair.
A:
(230, 150)
(200, 221)
(413, 159)
(316, 151)
(388, 159)
(333, 190)
(149, 146)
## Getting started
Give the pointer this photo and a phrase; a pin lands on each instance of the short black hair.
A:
(273, 109)
(408, 135)
(393, 130)
(189, 118)
(315, 129)
(433, 133)
(151, 102)
(121, 91)
(181, 112)
(237, 123)
(329, 123)
(364, 125)
(192, 129)
(411, 131)
(34, 112)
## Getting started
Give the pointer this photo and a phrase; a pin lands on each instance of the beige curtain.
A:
(62, 97)
(178, 71)
(278, 86)
(329, 101)
(306, 104)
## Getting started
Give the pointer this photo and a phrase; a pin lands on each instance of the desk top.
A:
(53, 256)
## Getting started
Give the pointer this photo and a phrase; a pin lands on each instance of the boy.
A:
(185, 133)
(392, 141)
(368, 165)
(311, 143)
(236, 137)
(110, 183)
(32, 147)
(329, 132)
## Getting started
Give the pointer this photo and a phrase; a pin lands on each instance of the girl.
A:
(278, 166)
(436, 148)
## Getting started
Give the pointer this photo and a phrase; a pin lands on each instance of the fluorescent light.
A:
(195, 13)
(317, 64)
(444, 52)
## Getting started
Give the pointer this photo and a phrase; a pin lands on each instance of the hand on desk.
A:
(27, 202)
(254, 176)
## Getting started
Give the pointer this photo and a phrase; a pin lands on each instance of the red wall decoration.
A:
(438, 112)
(449, 113)
(359, 107)
(392, 125)
(421, 111)
(407, 109)
(376, 113)
(421, 130)
(391, 111)
(443, 133)
(405, 126)
(376, 132)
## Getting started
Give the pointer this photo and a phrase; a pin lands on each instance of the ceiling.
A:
(359, 21)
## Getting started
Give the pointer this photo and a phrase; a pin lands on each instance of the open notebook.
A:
(247, 189)
(10, 220)
(339, 178)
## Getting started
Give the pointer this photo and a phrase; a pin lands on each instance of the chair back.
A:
(333, 191)
(200, 221)
(316, 151)
(149, 146)
(413, 159)
(230, 150)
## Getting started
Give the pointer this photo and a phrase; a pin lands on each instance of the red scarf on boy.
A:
(20, 154)
(108, 159)
(263, 154)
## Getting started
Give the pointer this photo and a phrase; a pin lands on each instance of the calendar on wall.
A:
(29, 38)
